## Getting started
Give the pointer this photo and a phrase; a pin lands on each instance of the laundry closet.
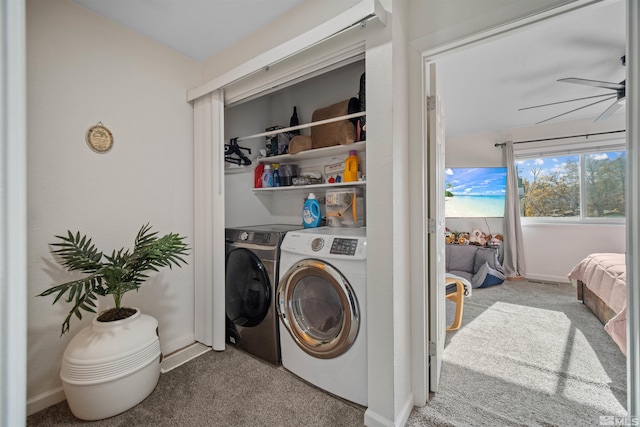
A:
(324, 67)
(298, 297)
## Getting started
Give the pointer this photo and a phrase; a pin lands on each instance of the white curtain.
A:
(513, 261)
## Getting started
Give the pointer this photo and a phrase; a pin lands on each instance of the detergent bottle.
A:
(276, 175)
(267, 177)
(351, 167)
(311, 215)
(257, 177)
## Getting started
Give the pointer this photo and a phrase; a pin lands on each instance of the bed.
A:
(602, 286)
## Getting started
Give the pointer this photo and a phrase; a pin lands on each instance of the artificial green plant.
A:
(115, 275)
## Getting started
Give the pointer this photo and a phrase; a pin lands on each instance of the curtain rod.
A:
(587, 135)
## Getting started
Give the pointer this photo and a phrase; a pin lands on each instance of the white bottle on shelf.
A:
(267, 177)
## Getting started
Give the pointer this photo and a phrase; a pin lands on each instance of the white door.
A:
(436, 226)
(209, 227)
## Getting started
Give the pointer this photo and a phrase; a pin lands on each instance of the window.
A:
(580, 186)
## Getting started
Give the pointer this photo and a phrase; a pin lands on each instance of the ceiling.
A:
(483, 87)
(195, 28)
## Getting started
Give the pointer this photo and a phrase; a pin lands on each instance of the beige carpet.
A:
(230, 389)
(528, 354)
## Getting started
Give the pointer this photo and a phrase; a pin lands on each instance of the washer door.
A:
(319, 308)
(248, 291)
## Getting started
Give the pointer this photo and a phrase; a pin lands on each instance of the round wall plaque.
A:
(99, 138)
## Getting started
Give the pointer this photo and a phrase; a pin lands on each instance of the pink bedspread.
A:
(605, 275)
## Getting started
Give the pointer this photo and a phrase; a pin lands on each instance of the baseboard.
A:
(177, 343)
(373, 419)
(545, 278)
(44, 400)
(405, 411)
(182, 356)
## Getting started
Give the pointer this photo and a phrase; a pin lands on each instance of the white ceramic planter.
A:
(109, 367)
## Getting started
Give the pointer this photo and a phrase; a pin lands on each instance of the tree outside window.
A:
(574, 186)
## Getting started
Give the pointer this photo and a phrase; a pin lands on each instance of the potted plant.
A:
(113, 364)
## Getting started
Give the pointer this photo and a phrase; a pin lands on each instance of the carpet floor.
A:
(527, 354)
(228, 388)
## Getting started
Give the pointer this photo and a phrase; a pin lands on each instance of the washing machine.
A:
(251, 278)
(321, 306)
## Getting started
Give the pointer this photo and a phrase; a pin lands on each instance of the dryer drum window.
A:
(319, 308)
(248, 294)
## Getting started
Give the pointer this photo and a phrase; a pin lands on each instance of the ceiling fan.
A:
(619, 96)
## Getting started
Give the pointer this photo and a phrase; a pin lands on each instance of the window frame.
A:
(581, 149)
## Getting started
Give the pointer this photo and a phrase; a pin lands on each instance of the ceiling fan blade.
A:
(609, 111)
(562, 102)
(576, 109)
(595, 83)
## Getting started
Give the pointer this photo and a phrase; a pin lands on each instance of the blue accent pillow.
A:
(487, 276)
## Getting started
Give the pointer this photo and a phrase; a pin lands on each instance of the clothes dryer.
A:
(322, 309)
(251, 277)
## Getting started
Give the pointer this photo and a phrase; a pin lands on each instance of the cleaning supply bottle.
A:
(351, 167)
(257, 177)
(311, 215)
(276, 175)
(267, 177)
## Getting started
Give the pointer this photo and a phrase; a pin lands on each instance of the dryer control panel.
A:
(255, 237)
(344, 246)
(327, 242)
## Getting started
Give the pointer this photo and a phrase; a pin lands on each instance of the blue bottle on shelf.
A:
(276, 175)
(311, 215)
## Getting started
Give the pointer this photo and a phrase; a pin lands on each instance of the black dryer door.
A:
(248, 292)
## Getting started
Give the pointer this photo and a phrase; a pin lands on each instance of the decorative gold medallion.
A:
(99, 138)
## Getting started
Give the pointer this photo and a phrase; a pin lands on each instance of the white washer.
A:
(321, 304)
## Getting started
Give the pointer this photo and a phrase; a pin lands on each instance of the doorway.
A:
(438, 55)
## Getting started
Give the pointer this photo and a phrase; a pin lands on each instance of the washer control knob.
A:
(317, 244)
(244, 236)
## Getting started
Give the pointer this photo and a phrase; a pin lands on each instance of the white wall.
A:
(551, 250)
(81, 70)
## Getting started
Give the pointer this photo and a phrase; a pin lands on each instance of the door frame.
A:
(13, 219)
(420, 305)
(633, 216)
